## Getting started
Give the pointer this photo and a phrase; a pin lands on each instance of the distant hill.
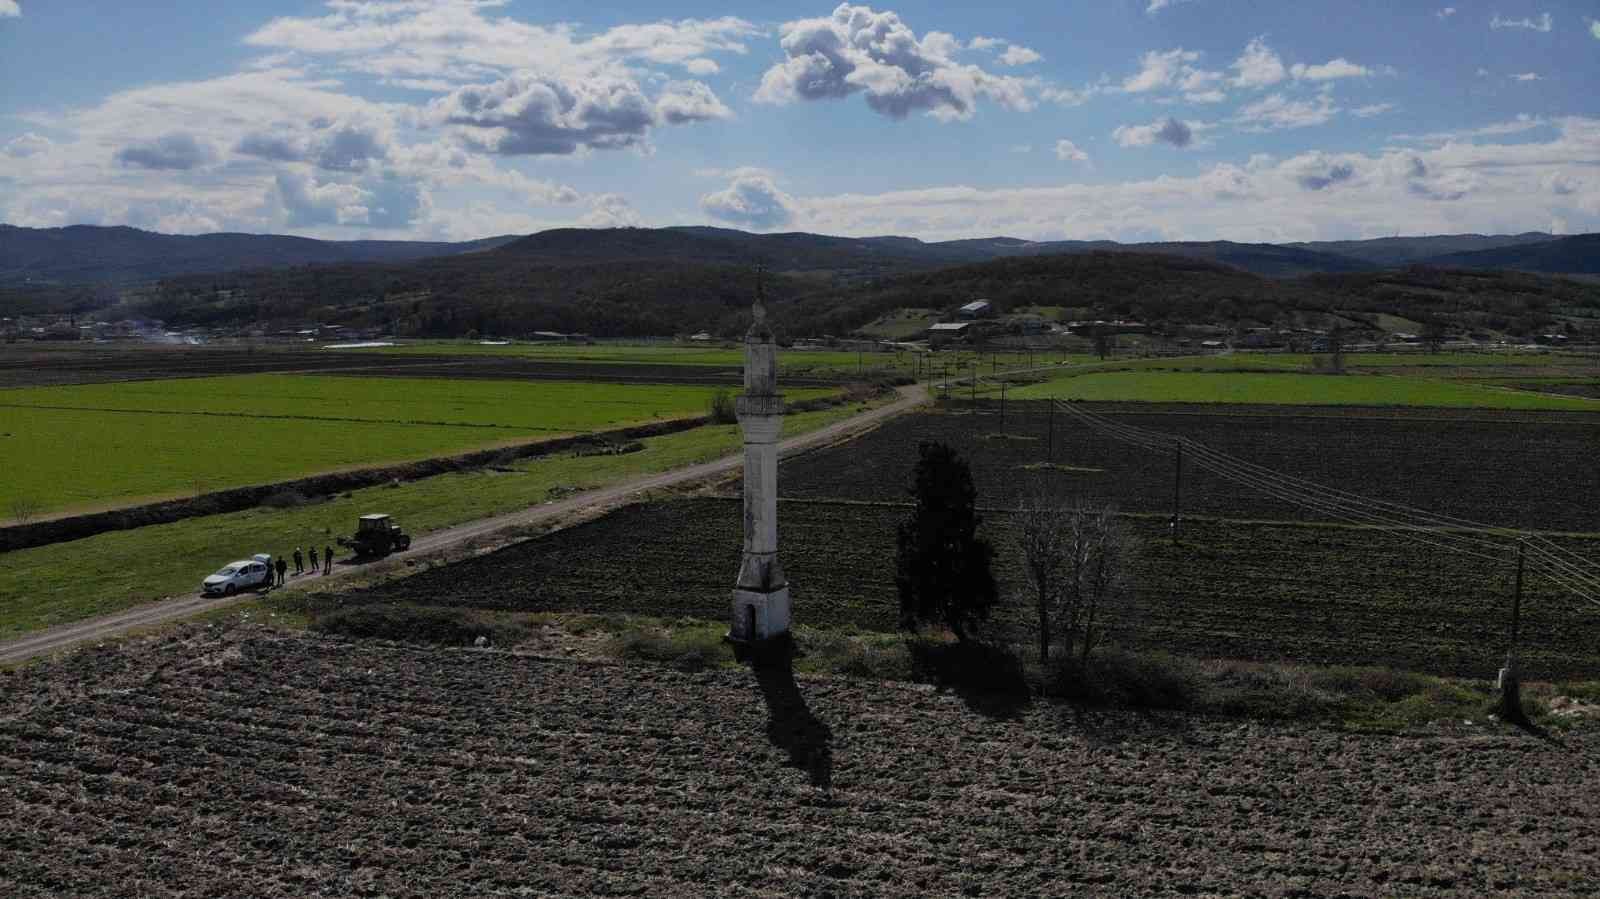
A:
(1579, 254)
(92, 254)
(1394, 252)
(510, 293)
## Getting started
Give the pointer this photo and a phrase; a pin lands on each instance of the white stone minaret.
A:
(761, 595)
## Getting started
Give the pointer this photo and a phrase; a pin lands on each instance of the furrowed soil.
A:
(255, 763)
(1515, 469)
(1260, 591)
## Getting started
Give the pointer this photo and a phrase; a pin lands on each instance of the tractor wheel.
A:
(404, 543)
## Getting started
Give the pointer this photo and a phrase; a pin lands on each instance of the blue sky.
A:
(1126, 119)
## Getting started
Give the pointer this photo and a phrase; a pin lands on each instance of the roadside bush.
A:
(420, 624)
(688, 649)
(1119, 678)
(285, 499)
(969, 664)
(721, 409)
(1263, 692)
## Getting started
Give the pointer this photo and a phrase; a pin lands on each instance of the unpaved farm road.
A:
(63, 636)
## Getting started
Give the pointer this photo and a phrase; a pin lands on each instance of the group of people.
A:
(282, 564)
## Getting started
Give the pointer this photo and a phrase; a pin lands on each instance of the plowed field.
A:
(1267, 592)
(1532, 470)
(255, 764)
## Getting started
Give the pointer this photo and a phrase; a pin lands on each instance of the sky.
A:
(1131, 120)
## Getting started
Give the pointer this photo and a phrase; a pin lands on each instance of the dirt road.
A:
(167, 610)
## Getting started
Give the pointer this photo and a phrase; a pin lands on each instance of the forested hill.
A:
(504, 294)
(83, 254)
(87, 254)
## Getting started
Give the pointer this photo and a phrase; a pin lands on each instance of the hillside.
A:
(1579, 254)
(90, 254)
(1393, 252)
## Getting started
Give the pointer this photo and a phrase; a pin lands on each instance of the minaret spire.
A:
(761, 593)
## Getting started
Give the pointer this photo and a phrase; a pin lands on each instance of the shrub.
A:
(688, 648)
(721, 409)
(284, 499)
(970, 664)
(943, 569)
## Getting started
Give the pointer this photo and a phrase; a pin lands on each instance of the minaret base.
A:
(759, 615)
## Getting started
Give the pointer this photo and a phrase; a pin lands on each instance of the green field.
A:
(98, 445)
(1289, 389)
(66, 582)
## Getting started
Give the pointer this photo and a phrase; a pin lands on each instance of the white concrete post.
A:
(761, 593)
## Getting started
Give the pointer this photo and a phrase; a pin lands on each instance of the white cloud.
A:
(1159, 69)
(9, 9)
(702, 66)
(1523, 122)
(1017, 55)
(1594, 28)
(682, 102)
(859, 50)
(1333, 68)
(752, 200)
(25, 145)
(611, 211)
(1067, 151)
(1167, 131)
(1258, 66)
(529, 114)
(1022, 148)
(1158, 5)
(1526, 76)
(307, 202)
(1447, 189)
(1374, 109)
(985, 43)
(1542, 24)
(177, 151)
(456, 40)
(1276, 112)
(1446, 12)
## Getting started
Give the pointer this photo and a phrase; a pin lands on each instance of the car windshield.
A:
(228, 571)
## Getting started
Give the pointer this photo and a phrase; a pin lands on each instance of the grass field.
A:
(98, 575)
(106, 444)
(1295, 389)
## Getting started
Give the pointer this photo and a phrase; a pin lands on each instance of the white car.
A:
(246, 574)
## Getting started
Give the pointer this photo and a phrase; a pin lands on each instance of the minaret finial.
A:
(759, 310)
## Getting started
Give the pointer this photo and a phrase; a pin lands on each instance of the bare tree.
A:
(1043, 540)
(1076, 557)
(1098, 550)
(24, 509)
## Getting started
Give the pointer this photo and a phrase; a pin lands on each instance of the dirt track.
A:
(58, 638)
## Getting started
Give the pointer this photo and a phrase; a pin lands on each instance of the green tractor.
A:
(376, 535)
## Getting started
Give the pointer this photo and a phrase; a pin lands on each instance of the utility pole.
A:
(1002, 407)
(1177, 494)
(1050, 441)
(1516, 602)
(1510, 682)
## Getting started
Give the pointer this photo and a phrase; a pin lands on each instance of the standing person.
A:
(327, 560)
(283, 568)
(314, 565)
(299, 562)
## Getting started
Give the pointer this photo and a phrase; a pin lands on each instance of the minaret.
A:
(761, 595)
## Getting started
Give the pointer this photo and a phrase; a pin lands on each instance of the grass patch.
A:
(687, 644)
(1272, 388)
(66, 582)
(1060, 466)
(95, 445)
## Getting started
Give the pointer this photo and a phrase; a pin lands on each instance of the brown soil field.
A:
(1531, 470)
(1258, 591)
(249, 762)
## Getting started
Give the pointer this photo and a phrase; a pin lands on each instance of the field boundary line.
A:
(165, 611)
